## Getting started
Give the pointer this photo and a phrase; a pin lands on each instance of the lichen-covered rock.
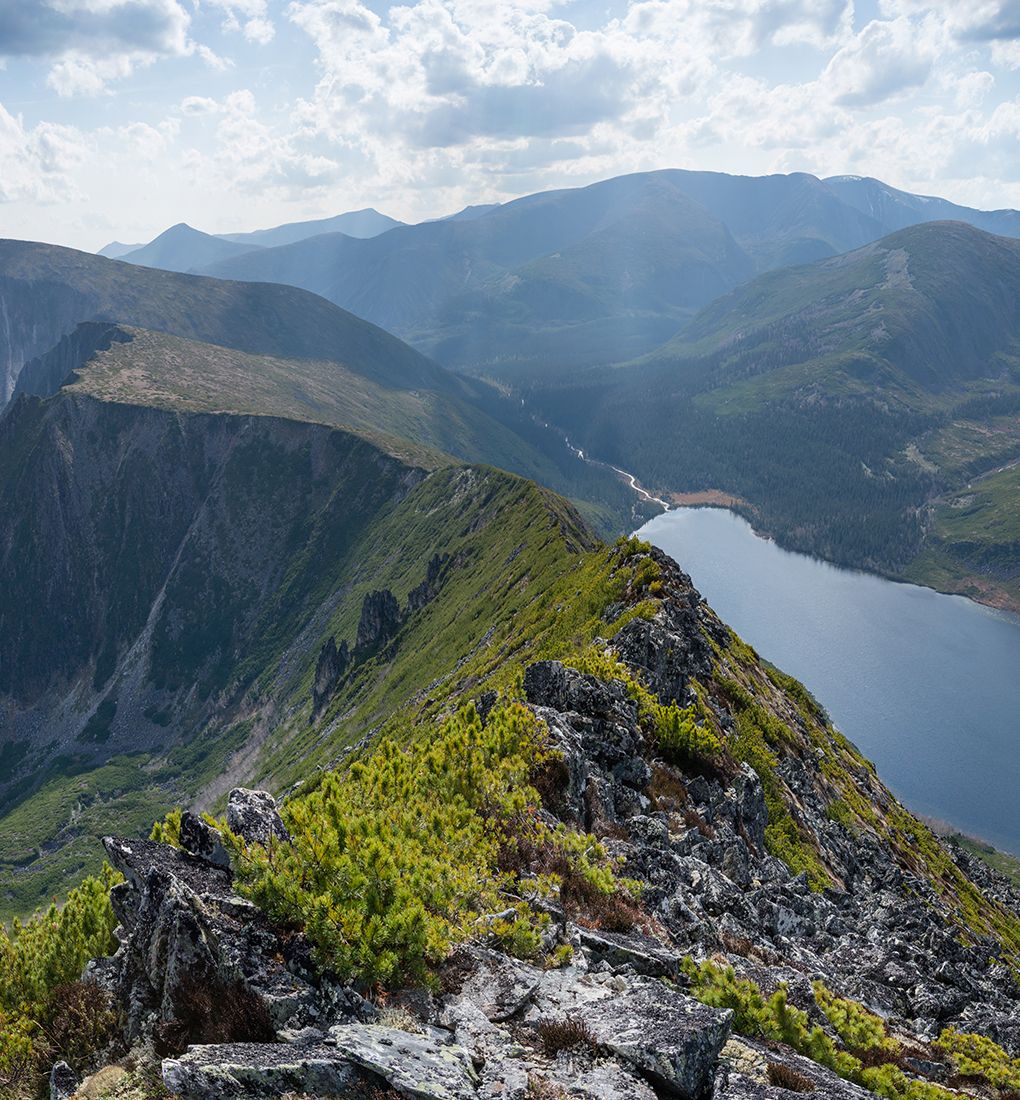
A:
(634, 949)
(415, 1065)
(749, 1070)
(202, 840)
(671, 649)
(605, 1080)
(253, 815)
(63, 1082)
(497, 984)
(263, 1071)
(182, 926)
(672, 1038)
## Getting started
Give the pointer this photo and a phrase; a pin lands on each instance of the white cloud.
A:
(885, 58)
(38, 164)
(424, 105)
(249, 16)
(199, 105)
(93, 42)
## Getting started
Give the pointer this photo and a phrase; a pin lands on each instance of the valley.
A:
(707, 332)
(454, 789)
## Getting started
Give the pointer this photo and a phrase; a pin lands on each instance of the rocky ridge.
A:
(875, 913)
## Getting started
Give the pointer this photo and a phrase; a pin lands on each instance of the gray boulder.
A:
(670, 1038)
(415, 1065)
(202, 840)
(253, 816)
(497, 984)
(749, 1070)
(644, 954)
(182, 927)
(263, 1071)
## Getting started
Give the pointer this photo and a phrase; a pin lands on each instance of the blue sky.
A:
(121, 117)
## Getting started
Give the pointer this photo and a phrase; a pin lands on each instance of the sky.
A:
(119, 118)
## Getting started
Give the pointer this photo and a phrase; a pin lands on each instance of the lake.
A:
(926, 685)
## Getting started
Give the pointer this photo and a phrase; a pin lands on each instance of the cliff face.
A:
(33, 317)
(155, 566)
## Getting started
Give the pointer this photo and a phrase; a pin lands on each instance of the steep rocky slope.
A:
(646, 858)
(176, 575)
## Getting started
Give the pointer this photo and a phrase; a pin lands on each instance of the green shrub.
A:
(682, 739)
(416, 848)
(861, 1031)
(774, 1018)
(977, 1056)
(40, 960)
(168, 831)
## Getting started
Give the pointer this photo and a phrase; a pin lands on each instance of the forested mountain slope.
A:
(836, 400)
(46, 292)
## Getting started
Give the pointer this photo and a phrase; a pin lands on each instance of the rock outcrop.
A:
(616, 1020)
(330, 668)
(380, 620)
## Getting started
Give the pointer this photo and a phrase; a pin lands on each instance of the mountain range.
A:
(530, 820)
(589, 303)
(588, 275)
(182, 248)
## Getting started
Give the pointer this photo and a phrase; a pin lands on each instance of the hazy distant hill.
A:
(356, 223)
(898, 209)
(919, 315)
(181, 248)
(588, 275)
(115, 249)
(619, 266)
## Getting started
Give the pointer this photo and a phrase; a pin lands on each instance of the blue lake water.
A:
(926, 685)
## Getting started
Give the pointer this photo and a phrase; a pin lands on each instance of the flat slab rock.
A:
(262, 1071)
(646, 955)
(669, 1037)
(414, 1065)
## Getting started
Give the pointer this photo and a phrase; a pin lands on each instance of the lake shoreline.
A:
(922, 681)
(969, 586)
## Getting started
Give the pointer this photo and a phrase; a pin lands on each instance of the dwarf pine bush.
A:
(405, 854)
(978, 1056)
(774, 1018)
(860, 1030)
(40, 957)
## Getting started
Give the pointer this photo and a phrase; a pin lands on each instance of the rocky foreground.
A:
(233, 1007)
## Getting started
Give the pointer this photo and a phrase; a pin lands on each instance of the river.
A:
(926, 685)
